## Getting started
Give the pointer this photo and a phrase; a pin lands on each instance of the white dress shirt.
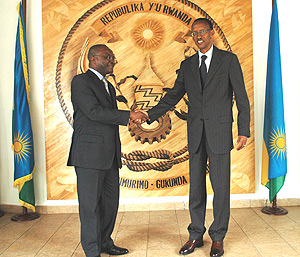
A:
(208, 55)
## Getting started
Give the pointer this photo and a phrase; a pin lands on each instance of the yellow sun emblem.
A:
(278, 143)
(22, 146)
(148, 35)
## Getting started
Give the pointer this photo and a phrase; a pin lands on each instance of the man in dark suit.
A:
(209, 78)
(96, 151)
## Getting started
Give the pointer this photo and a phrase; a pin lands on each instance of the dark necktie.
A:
(106, 85)
(203, 70)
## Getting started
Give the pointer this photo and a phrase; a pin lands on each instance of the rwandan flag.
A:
(22, 132)
(274, 159)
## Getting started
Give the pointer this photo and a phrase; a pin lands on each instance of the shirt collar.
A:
(208, 54)
(98, 74)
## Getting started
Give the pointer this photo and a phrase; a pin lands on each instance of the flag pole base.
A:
(25, 216)
(1, 213)
(274, 210)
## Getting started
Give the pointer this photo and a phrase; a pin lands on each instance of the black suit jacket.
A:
(210, 105)
(95, 140)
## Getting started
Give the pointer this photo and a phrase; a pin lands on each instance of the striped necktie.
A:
(106, 84)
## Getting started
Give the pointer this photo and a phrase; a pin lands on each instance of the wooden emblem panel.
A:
(149, 40)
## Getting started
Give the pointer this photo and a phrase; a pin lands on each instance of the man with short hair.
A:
(210, 77)
(96, 151)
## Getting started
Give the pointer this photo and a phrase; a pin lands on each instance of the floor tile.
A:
(54, 254)
(282, 250)
(164, 253)
(294, 213)
(290, 236)
(236, 237)
(61, 244)
(254, 223)
(296, 247)
(132, 242)
(162, 217)
(135, 218)
(12, 232)
(164, 229)
(164, 242)
(251, 233)
(234, 226)
(4, 220)
(184, 220)
(78, 251)
(237, 249)
(138, 253)
(26, 246)
(133, 229)
(4, 244)
(281, 222)
(18, 255)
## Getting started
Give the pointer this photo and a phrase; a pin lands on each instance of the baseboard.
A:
(151, 206)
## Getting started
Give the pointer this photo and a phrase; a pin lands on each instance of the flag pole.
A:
(274, 210)
(25, 216)
(24, 2)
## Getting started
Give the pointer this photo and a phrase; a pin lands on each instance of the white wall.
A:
(288, 20)
(8, 27)
(288, 12)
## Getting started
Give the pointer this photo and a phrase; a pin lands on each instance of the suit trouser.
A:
(98, 196)
(219, 173)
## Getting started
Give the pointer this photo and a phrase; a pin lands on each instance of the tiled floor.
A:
(155, 234)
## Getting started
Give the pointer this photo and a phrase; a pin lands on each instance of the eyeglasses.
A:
(107, 57)
(202, 32)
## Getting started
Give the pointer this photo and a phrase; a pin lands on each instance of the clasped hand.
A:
(139, 116)
(241, 143)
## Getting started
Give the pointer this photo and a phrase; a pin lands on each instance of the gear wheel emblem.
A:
(151, 133)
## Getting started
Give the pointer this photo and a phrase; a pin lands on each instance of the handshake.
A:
(139, 116)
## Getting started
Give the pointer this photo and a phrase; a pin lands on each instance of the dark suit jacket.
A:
(95, 140)
(211, 108)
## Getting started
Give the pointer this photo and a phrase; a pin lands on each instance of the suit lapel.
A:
(195, 69)
(99, 85)
(216, 61)
(112, 94)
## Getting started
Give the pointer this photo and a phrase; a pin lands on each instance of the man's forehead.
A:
(201, 24)
(103, 49)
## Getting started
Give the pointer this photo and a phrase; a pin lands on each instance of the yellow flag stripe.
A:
(265, 165)
(24, 57)
(27, 205)
(21, 181)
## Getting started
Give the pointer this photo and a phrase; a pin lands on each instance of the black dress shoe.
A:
(190, 246)
(114, 250)
(217, 249)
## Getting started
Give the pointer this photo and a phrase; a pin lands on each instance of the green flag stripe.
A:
(26, 195)
(274, 185)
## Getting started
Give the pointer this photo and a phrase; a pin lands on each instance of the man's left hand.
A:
(241, 143)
